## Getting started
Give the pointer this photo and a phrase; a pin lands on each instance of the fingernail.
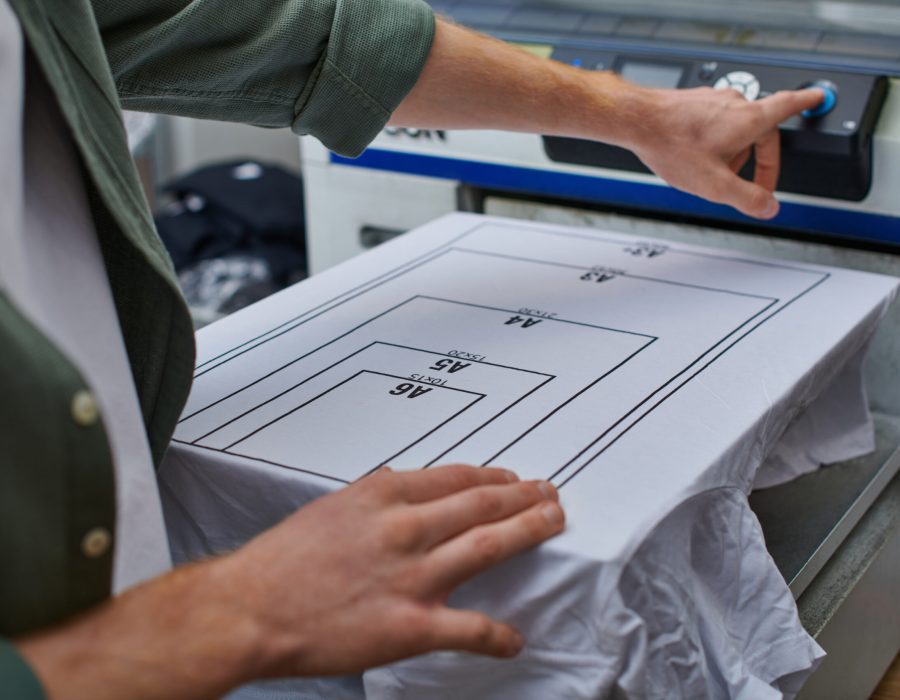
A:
(553, 514)
(547, 489)
(771, 209)
(512, 477)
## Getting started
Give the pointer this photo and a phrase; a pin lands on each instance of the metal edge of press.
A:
(845, 525)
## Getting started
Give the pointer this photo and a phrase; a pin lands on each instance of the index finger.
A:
(782, 105)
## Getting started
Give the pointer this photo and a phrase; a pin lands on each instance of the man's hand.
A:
(354, 580)
(370, 569)
(696, 140)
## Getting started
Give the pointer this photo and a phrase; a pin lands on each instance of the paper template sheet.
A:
(484, 341)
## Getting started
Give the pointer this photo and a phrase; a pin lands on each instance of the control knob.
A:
(827, 104)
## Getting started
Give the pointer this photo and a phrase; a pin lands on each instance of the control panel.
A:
(826, 151)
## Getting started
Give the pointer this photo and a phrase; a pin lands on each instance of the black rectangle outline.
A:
(375, 318)
(341, 361)
(340, 384)
(448, 247)
(228, 449)
(592, 384)
(409, 265)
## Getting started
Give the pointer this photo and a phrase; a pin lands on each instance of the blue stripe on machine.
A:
(638, 195)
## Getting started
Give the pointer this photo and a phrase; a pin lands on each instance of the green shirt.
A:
(335, 69)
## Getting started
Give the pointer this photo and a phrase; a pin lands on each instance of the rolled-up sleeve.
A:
(17, 680)
(335, 69)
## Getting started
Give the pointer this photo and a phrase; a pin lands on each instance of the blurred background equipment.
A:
(235, 233)
(229, 203)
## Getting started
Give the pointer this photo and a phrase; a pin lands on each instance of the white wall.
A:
(192, 143)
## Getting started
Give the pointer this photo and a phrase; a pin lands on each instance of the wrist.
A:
(235, 601)
(268, 647)
(178, 636)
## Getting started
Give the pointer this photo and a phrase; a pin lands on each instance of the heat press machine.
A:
(835, 533)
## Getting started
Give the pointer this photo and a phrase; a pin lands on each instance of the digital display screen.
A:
(654, 75)
(539, 50)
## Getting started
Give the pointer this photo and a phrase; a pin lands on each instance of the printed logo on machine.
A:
(426, 134)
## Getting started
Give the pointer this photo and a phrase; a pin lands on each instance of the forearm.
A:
(474, 81)
(697, 140)
(182, 636)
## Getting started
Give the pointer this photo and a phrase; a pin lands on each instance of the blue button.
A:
(827, 104)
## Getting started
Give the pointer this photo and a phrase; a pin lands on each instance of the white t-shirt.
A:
(52, 268)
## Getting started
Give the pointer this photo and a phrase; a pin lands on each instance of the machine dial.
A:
(743, 82)
(830, 90)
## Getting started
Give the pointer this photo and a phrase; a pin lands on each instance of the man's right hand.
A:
(360, 578)
(357, 579)
(697, 140)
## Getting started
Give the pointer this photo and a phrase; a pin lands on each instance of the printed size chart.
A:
(518, 345)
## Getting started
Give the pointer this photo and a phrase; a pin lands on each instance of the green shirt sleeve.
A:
(335, 69)
(16, 677)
